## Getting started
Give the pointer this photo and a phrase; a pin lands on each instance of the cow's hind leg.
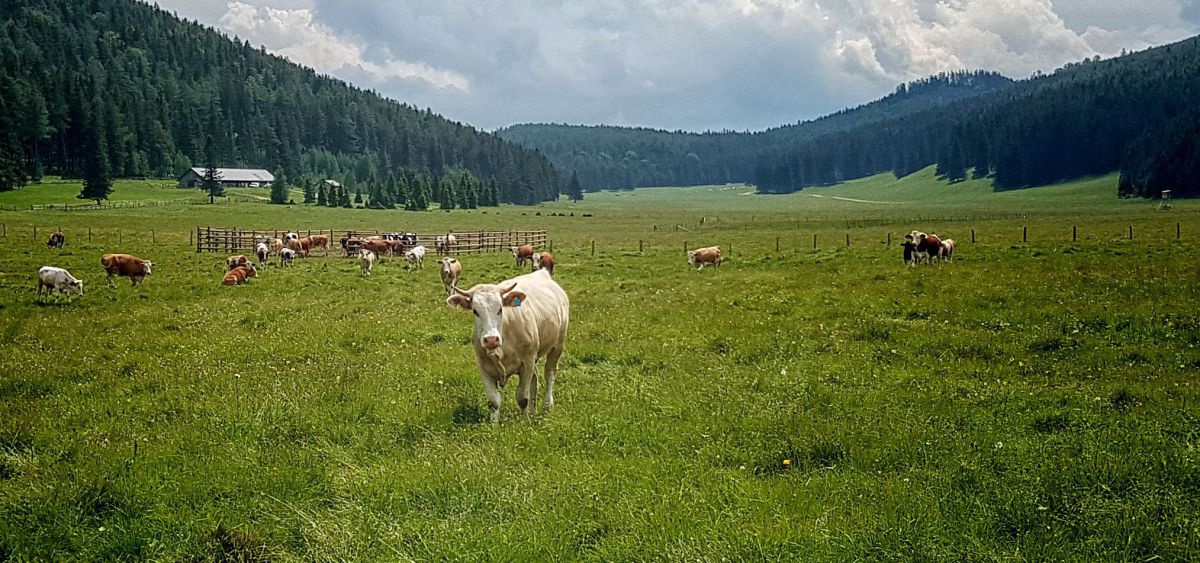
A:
(551, 371)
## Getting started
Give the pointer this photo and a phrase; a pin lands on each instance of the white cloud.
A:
(296, 35)
(691, 64)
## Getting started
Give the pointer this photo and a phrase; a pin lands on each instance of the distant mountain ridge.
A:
(1137, 114)
(159, 94)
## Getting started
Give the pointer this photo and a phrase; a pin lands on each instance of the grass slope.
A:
(1026, 400)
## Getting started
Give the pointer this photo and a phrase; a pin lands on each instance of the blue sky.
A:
(682, 64)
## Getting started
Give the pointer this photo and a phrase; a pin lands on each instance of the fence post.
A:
(639, 246)
(972, 236)
(1025, 233)
(1074, 232)
(189, 237)
(814, 241)
(1131, 232)
(152, 238)
(685, 247)
(776, 244)
(889, 239)
(550, 243)
(847, 240)
(593, 248)
(35, 233)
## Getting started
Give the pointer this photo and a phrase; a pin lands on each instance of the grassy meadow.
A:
(1031, 400)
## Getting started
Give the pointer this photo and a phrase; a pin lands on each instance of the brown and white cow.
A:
(523, 254)
(51, 279)
(239, 275)
(517, 322)
(929, 246)
(263, 252)
(544, 260)
(947, 250)
(300, 246)
(275, 245)
(704, 256)
(378, 246)
(235, 261)
(57, 240)
(445, 244)
(126, 265)
(451, 271)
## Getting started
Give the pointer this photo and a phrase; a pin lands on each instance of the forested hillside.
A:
(623, 157)
(1136, 114)
(155, 95)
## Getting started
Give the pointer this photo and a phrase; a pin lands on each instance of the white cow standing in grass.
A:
(517, 322)
(416, 257)
(52, 279)
(451, 271)
(366, 261)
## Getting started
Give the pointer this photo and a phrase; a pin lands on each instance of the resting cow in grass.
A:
(126, 265)
(57, 279)
(517, 322)
(235, 261)
(239, 275)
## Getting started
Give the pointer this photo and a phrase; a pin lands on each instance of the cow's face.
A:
(691, 258)
(487, 303)
(77, 287)
(147, 266)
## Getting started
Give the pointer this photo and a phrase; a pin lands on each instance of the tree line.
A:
(125, 89)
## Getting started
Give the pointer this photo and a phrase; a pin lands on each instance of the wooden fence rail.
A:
(233, 240)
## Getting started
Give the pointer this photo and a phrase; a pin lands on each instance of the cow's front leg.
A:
(493, 396)
(110, 282)
(527, 389)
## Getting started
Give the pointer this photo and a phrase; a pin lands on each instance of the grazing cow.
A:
(451, 271)
(276, 245)
(59, 279)
(445, 244)
(397, 247)
(533, 325)
(351, 245)
(544, 260)
(263, 252)
(523, 254)
(235, 261)
(416, 257)
(300, 246)
(379, 246)
(319, 241)
(286, 256)
(947, 251)
(291, 236)
(126, 265)
(366, 261)
(703, 256)
(239, 275)
(57, 240)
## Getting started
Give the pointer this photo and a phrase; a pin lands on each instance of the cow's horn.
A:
(460, 292)
(510, 287)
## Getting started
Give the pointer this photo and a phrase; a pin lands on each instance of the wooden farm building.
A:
(230, 178)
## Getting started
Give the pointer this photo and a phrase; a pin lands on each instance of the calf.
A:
(416, 257)
(286, 256)
(451, 271)
(57, 240)
(544, 260)
(300, 246)
(235, 261)
(263, 252)
(703, 256)
(276, 245)
(947, 251)
(319, 241)
(239, 275)
(523, 254)
(366, 261)
(378, 246)
(910, 253)
(445, 244)
(533, 325)
(291, 236)
(126, 265)
(59, 279)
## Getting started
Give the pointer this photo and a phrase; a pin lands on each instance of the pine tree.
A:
(358, 194)
(322, 195)
(212, 177)
(344, 200)
(310, 193)
(279, 191)
(97, 175)
(574, 190)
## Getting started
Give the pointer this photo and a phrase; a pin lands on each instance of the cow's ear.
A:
(460, 301)
(514, 298)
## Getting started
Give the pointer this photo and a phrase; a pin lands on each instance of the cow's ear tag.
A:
(517, 302)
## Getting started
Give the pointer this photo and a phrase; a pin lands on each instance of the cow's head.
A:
(147, 266)
(446, 262)
(487, 303)
(537, 261)
(691, 258)
(515, 250)
(76, 286)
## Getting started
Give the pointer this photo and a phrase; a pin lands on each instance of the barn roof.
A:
(239, 174)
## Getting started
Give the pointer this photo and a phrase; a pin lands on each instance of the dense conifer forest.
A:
(1134, 113)
(123, 88)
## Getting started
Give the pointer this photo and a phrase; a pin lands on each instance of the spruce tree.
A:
(97, 175)
(310, 193)
(279, 191)
(322, 195)
(574, 190)
(358, 194)
(212, 178)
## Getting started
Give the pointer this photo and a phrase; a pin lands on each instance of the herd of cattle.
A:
(505, 344)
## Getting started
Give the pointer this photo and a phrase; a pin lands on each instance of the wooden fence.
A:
(233, 240)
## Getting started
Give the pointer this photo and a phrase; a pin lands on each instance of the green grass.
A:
(1030, 400)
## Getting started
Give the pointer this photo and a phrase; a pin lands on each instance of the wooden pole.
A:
(1025, 233)
(814, 241)
(35, 232)
(1074, 233)
(152, 238)
(1131, 232)
(776, 244)
(972, 236)
(847, 240)
(889, 239)
(639, 246)
(685, 251)
(593, 248)
(189, 237)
